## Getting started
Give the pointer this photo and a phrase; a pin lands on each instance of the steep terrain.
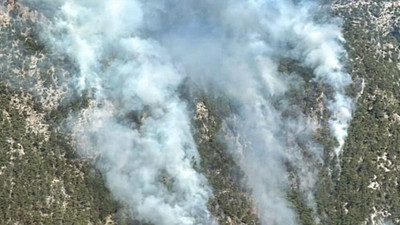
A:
(45, 182)
(41, 180)
(367, 190)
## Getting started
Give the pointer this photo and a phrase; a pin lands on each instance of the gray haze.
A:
(135, 55)
(149, 166)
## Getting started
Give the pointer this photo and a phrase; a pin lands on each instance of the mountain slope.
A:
(44, 181)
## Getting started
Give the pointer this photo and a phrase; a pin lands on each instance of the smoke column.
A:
(148, 164)
(135, 54)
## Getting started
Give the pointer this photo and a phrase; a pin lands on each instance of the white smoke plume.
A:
(235, 47)
(147, 165)
(135, 54)
(319, 46)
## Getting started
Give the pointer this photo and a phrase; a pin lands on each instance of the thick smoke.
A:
(139, 128)
(319, 47)
(135, 55)
(235, 47)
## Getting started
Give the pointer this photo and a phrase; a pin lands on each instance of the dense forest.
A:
(44, 181)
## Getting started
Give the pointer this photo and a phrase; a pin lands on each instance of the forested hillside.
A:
(367, 190)
(43, 179)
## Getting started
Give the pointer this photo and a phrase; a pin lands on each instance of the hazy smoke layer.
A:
(235, 47)
(136, 53)
(139, 128)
